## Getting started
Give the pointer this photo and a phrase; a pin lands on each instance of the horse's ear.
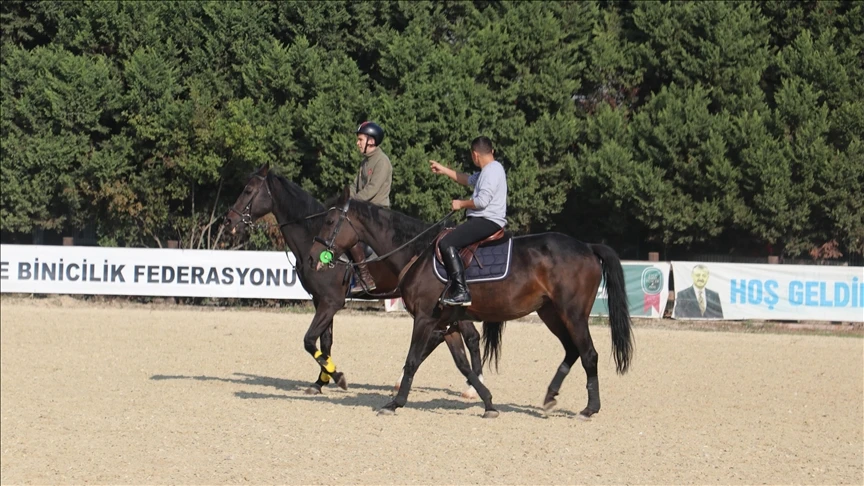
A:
(262, 171)
(346, 194)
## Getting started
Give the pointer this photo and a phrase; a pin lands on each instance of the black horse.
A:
(550, 273)
(300, 217)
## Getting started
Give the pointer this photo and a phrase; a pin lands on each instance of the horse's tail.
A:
(619, 309)
(492, 342)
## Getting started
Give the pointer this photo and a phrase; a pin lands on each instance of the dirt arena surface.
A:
(150, 395)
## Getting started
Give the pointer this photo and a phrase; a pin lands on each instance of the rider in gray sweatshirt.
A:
(487, 214)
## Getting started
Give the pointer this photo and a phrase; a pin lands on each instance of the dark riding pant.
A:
(471, 231)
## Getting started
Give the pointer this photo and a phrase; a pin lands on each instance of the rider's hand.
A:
(456, 205)
(437, 168)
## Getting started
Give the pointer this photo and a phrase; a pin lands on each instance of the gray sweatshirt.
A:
(490, 193)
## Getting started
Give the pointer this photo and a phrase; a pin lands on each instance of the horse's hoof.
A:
(341, 381)
(470, 393)
(312, 390)
(550, 404)
(490, 414)
(386, 411)
(585, 415)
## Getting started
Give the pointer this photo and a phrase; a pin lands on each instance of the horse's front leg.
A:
(326, 349)
(322, 328)
(472, 340)
(427, 335)
(457, 349)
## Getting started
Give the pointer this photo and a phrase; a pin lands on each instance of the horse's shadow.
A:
(373, 397)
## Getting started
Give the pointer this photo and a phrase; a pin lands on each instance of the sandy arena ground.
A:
(113, 394)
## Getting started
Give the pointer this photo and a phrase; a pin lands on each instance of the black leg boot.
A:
(458, 294)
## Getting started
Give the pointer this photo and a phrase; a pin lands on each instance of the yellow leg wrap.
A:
(328, 365)
(325, 378)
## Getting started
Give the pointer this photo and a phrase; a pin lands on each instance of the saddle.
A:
(468, 253)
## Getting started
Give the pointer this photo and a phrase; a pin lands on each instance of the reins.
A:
(328, 244)
(404, 245)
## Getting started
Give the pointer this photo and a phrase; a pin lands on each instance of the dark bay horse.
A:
(300, 217)
(551, 273)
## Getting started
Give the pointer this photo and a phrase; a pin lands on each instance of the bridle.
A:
(246, 215)
(327, 255)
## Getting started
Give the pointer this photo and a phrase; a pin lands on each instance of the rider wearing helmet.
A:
(372, 184)
(487, 214)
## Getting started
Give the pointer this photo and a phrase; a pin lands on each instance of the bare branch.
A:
(212, 214)
(218, 236)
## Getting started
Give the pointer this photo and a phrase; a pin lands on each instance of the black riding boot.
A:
(458, 290)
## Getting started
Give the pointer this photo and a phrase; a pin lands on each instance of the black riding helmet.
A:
(372, 129)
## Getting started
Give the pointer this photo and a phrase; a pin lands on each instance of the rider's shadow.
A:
(372, 398)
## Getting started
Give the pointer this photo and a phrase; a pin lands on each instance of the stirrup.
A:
(452, 303)
(449, 300)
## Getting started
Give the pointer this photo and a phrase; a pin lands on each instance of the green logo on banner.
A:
(652, 281)
(644, 284)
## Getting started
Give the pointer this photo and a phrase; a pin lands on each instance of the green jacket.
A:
(374, 179)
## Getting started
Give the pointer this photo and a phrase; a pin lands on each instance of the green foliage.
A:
(670, 125)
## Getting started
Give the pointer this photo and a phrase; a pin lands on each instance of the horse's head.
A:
(254, 202)
(337, 235)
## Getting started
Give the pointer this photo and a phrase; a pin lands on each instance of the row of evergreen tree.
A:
(689, 126)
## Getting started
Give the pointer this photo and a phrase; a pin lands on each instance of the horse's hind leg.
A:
(582, 337)
(457, 349)
(549, 314)
(576, 319)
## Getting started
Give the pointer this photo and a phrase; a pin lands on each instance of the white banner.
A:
(751, 291)
(152, 272)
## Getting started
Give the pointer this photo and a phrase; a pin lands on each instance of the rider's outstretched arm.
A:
(460, 177)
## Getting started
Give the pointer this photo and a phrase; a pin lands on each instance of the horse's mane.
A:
(300, 203)
(402, 226)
